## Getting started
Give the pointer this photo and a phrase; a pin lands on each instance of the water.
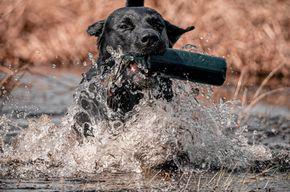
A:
(186, 181)
(118, 157)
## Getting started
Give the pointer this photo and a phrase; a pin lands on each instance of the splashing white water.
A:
(158, 132)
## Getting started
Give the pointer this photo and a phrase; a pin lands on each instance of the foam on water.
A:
(157, 132)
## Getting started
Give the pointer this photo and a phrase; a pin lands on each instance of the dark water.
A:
(187, 181)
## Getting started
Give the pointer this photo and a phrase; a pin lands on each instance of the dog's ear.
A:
(174, 32)
(96, 29)
(135, 3)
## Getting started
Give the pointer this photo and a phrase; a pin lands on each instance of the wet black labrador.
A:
(138, 31)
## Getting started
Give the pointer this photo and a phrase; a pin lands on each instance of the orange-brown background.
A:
(253, 35)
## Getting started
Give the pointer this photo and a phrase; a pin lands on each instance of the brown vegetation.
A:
(253, 35)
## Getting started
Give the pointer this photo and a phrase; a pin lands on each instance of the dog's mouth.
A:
(129, 68)
(133, 74)
(137, 70)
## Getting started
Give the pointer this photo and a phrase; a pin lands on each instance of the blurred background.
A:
(254, 36)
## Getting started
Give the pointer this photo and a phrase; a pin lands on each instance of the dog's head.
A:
(136, 30)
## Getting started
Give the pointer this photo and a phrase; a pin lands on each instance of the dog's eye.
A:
(124, 26)
(156, 24)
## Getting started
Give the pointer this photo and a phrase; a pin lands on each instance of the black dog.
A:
(138, 31)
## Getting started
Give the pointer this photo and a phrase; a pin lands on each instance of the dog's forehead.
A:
(136, 13)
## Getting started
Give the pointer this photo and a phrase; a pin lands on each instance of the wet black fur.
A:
(136, 30)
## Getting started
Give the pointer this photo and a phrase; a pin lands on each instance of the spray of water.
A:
(156, 132)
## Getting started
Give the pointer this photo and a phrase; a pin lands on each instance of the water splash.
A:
(155, 132)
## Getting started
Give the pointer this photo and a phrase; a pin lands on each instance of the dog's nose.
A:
(149, 38)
